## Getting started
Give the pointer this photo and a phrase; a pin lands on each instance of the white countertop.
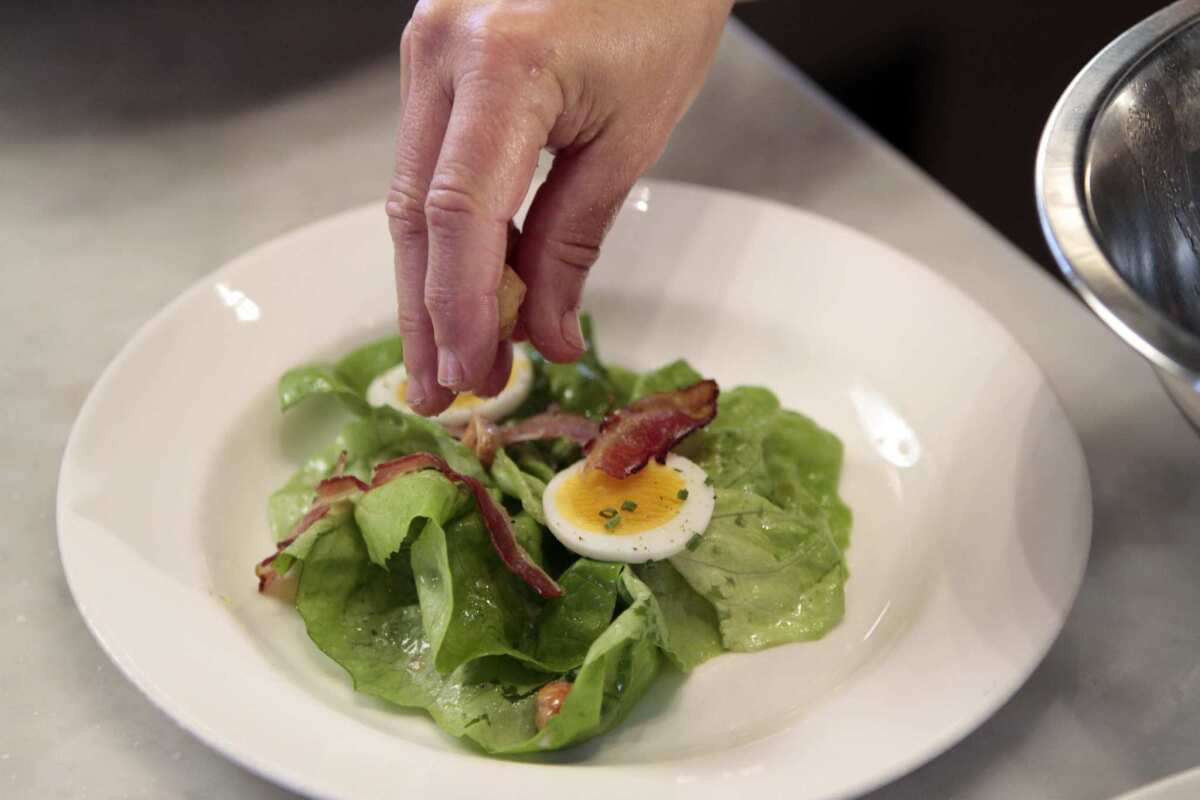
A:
(105, 216)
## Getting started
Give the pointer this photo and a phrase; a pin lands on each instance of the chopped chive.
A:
(613, 523)
(708, 481)
(608, 513)
(629, 505)
(693, 542)
(682, 494)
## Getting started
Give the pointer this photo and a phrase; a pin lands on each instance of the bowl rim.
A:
(1060, 183)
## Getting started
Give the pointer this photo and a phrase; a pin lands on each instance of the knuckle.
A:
(441, 302)
(430, 22)
(577, 253)
(510, 35)
(412, 319)
(450, 206)
(405, 210)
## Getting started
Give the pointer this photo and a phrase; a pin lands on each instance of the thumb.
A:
(561, 239)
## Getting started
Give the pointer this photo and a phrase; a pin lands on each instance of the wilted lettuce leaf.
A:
(675, 375)
(755, 445)
(386, 433)
(515, 483)
(386, 514)
(773, 576)
(366, 363)
(582, 387)
(347, 380)
(691, 632)
(367, 620)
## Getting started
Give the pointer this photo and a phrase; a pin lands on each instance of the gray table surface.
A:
(108, 210)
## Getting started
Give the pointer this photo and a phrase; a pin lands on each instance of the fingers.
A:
(561, 240)
(497, 378)
(484, 169)
(418, 141)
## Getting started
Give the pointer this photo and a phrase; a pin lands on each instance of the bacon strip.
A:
(500, 531)
(649, 428)
(342, 487)
(263, 570)
(485, 437)
(331, 490)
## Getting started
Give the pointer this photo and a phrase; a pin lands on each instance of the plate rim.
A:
(277, 773)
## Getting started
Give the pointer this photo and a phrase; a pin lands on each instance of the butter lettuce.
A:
(403, 588)
(347, 380)
(368, 620)
(773, 576)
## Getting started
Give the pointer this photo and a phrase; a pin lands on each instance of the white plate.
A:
(970, 493)
(1181, 786)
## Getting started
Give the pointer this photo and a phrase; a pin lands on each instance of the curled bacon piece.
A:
(331, 490)
(649, 428)
(342, 487)
(500, 531)
(485, 437)
(263, 570)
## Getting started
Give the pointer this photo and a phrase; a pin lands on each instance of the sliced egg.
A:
(388, 389)
(649, 516)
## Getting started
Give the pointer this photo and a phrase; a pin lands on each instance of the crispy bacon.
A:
(328, 492)
(504, 539)
(342, 487)
(485, 437)
(649, 428)
(263, 570)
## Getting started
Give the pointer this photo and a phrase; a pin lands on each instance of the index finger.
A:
(483, 172)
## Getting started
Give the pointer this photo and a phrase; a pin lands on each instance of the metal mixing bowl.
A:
(1118, 181)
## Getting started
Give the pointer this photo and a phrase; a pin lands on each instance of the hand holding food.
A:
(485, 86)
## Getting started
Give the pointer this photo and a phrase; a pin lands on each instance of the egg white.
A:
(655, 544)
(382, 392)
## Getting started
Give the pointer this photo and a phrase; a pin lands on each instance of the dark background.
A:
(963, 89)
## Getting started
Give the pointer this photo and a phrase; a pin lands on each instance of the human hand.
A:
(485, 85)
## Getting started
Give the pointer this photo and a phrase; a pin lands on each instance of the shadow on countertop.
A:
(69, 66)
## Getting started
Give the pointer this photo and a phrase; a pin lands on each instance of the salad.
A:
(523, 567)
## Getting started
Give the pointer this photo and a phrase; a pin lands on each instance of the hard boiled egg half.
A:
(388, 389)
(649, 516)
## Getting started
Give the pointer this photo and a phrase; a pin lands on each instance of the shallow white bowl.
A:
(970, 493)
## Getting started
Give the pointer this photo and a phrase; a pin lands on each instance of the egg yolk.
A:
(644, 500)
(466, 399)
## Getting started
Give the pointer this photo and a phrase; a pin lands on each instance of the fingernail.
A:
(571, 330)
(414, 395)
(450, 369)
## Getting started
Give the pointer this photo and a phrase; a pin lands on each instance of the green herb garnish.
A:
(682, 494)
(613, 523)
(693, 542)
(629, 505)
(608, 513)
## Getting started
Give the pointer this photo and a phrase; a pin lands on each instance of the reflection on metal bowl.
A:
(1118, 180)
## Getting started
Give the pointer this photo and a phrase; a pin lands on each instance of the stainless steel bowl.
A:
(1118, 182)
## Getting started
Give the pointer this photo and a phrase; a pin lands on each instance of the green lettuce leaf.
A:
(756, 446)
(386, 514)
(347, 380)
(675, 375)
(289, 503)
(473, 607)
(385, 433)
(691, 632)
(582, 387)
(368, 362)
(314, 380)
(515, 483)
(366, 619)
(773, 576)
